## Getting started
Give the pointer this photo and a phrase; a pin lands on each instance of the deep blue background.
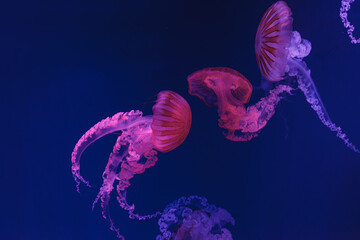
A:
(65, 65)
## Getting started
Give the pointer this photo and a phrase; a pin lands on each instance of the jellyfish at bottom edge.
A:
(279, 53)
(193, 218)
(230, 91)
(141, 136)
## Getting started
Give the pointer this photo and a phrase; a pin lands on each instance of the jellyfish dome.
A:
(193, 218)
(230, 91)
(140, 137)
(280, 52)
(272, 41)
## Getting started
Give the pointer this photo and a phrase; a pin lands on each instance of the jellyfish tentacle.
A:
(123, 164)
(109, 175)
(265, 108)
(257, 116)
(345, 7)
(140, 137)
(115, 123)
(307, 86)
(129, 169)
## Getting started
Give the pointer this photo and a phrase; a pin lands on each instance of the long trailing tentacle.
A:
(129, 169)
(115, 123)
(109, 176)
(123, 164)
(307, 86)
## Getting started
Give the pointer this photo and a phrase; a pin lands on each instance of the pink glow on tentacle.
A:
(124, 162)
(109, 176)
(257, 115)
(115, 123)
(140, 137)
(128, 170)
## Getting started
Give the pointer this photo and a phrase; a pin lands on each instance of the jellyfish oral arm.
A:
(115, 123)
(129, 168)
(306, 85)
(257, 116)
(345, 7)
(122, 157)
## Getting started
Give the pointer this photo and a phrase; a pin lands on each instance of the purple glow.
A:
(299, 49)
(345, 7)
(140, 136)
(194, 218)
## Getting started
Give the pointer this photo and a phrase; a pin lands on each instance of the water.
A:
(66, 65)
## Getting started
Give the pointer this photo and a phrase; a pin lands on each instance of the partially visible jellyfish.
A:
(229, 90)
(279, 53)
(345, 7)
(141, 136)
(193, 218)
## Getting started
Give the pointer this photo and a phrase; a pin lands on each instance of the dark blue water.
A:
(65, 65)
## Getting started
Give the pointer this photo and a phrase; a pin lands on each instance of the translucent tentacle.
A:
(299, 69)
(109, 175)
(124, 162)
(258, 115)
(115, 123)
(345, 7)
(128, 170)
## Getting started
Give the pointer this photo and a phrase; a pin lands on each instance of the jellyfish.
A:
(230, 91)
(193, 218)
(141, 136)
(345, 7)
(279, 53)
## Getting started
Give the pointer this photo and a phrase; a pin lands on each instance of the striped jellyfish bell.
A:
(272, 40)
(171, 121)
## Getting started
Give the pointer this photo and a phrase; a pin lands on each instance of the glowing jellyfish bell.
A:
(225, 88)
(279, 53)
(141, 135)
(230, 91)
(193, 218)
(272, 41)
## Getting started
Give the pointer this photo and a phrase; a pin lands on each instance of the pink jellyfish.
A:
(193, 218)
(345, 7)
(230, 91)
(279, 53)
(141, 136)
